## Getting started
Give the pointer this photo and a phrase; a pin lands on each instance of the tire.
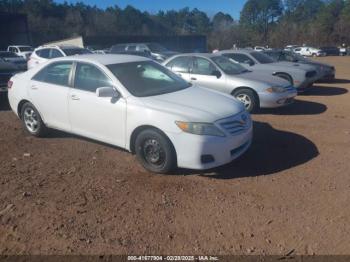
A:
(155, 152)
(248, 98)
(32, 120)
(285, 77)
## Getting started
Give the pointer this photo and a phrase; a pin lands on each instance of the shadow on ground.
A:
(272, 151)
(4, 103)
(340, 81)
(325, 91)
(299, 107)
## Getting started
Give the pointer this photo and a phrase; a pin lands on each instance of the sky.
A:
(232, 7)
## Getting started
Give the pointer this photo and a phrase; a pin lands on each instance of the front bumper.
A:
(193, 151)
(273, 100)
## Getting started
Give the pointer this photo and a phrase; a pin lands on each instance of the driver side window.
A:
(89, 78)
(202, 66)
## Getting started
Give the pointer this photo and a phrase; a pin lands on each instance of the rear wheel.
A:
(32, 120)
(248, 98)
(155, 152)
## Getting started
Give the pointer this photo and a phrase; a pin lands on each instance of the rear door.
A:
(48, 91)
(181, 66)
(99, 118)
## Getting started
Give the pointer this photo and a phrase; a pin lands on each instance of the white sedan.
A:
(133, 103)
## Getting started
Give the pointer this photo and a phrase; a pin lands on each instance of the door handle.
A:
(193, 78)
(34, 87)
(179, 74)
(75, 97)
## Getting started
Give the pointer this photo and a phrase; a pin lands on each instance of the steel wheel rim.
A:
(153, 152)
(31, 120)
(245, 99)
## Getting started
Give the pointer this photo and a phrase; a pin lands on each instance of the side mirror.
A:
(107, 92)
(216, 73)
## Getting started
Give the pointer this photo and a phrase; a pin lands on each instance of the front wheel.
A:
(248, 98)
(32, 120)
(155, 152)
(285, 77)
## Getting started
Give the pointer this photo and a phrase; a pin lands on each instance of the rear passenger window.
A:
(131, 48)
(89, 78)
(55, 53)
(57, 74)
(44, 53)
(180, 64)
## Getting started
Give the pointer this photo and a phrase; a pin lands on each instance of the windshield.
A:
(8, 55)
(76, 51)
(147, 78)
(156, 47)
(25, 48)
(228, 66)
(262, 58)
(274, 55)
(294, 57)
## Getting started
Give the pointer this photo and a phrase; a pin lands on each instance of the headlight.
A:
(276, 89)
(203, 129)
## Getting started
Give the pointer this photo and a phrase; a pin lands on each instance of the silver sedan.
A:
(255, 90)
(301, 76)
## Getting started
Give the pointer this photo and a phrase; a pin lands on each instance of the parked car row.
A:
(315, 52)
(190, 111)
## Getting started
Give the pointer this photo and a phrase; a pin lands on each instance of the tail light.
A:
(9, 84)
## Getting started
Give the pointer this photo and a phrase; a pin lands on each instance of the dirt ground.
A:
(291, 191)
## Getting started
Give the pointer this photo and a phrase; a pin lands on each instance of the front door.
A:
(99, 118)
(204, 73)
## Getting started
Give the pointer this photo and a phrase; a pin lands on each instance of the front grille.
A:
(311, 74)
(237, 124)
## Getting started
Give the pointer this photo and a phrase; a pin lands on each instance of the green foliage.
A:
(262, 22)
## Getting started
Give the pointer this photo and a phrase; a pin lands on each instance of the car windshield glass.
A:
(7, 54)
(76, 51)
(274, 55)
(262, 58)
(25, 48)
(156, 47)
(296, 57)
(147, 78)
(228, 66)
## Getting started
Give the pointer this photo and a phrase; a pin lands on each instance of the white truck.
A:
(309, 51)
(22, 50)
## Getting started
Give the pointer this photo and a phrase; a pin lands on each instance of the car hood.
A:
(296, 65)
(261, 78)
(196, 104)
(313, 63)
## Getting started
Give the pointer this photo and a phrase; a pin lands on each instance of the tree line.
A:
(262, 22)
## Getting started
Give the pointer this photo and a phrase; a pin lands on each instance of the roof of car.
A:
(59, 46)
(207, 55)
(104, 59)
(240, 51)
(142, 43)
